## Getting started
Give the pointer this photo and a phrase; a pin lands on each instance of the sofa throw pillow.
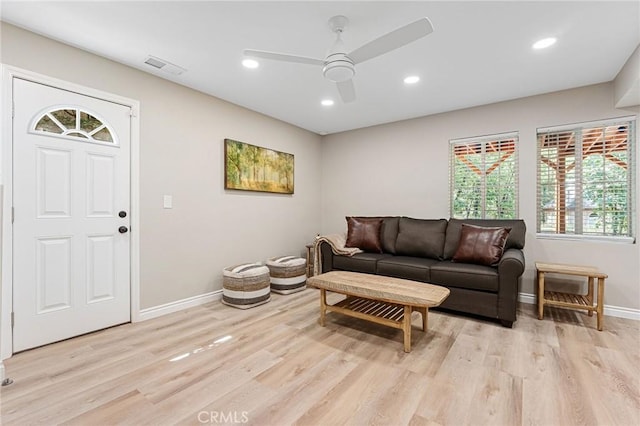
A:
(481, 245)
(364, 234)
(515, 239)
(388, 231)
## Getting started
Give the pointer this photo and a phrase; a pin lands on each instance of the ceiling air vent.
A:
(164, 66)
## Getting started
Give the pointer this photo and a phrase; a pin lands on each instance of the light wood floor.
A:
(274, 365)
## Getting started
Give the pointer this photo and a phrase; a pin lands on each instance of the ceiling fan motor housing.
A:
(338, 68)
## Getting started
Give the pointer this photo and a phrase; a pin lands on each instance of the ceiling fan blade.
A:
(347, 91)
(283, 57)
(393, 40)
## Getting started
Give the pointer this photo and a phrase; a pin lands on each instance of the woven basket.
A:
(246, 285)
(288, 274)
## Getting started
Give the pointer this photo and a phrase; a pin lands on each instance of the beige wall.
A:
(396, 169)
(184, 249)
(626, 86)
(402, 169)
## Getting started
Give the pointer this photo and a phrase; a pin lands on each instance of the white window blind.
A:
(483, 181)
(586, 179)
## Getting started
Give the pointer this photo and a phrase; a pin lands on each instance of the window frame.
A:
(484, 140)
(67, 131)
(631, 121)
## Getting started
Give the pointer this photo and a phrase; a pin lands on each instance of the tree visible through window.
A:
(74, 123)
(585, 179)
(484, 177)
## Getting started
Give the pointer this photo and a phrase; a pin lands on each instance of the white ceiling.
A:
(479, 53)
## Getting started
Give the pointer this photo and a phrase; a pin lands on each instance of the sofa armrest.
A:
(510, 269)
(512, 263)
(326, 256)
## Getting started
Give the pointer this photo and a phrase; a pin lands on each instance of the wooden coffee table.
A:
(382, 300)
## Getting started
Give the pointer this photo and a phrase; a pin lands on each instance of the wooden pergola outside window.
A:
(483, 181)
(585, 180)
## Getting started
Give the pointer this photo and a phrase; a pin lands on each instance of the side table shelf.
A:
(570, 300)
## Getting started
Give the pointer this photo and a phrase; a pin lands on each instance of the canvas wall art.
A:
(253, 168)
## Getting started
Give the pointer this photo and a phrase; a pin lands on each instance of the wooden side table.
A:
(570, 300)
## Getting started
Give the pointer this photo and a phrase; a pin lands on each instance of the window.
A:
(484, 177)
(74, 123)
(586, 179)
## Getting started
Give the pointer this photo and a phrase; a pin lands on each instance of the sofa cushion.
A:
(361, 262)
(408, 268)
(515, 240)
(364, 233)
(389, 233)
(421, 237)
(465, 275)
(481, 245)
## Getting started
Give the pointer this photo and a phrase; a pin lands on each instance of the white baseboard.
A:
(178, 305)
(613, 311)
(527, 298)
(190, 302)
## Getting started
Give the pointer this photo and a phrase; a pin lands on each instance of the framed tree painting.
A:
(253, 168)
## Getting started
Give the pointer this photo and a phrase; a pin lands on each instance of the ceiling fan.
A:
(339, 66)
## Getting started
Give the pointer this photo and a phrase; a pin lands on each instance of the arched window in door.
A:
(74, 123)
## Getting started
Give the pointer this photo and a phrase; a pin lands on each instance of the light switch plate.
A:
(168, 201)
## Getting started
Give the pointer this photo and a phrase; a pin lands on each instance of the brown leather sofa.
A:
(422, 250)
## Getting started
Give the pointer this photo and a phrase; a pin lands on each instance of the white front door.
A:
(71, 185)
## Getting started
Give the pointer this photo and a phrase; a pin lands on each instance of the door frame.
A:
(9, 73)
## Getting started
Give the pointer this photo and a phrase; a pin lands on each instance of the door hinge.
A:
(13, 214)
(13, 319)
(132, 112)
(13, 109)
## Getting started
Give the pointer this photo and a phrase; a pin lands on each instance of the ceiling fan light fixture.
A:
(338, 68)
(338, 73)
(250, 63)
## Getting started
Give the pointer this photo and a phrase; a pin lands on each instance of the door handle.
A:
(122, 214)
(123, 229)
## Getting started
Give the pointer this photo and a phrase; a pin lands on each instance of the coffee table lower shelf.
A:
(376, 311)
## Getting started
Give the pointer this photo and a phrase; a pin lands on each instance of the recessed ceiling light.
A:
(544, 43)
(250, 63)
(412, 79)
(326, 102)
